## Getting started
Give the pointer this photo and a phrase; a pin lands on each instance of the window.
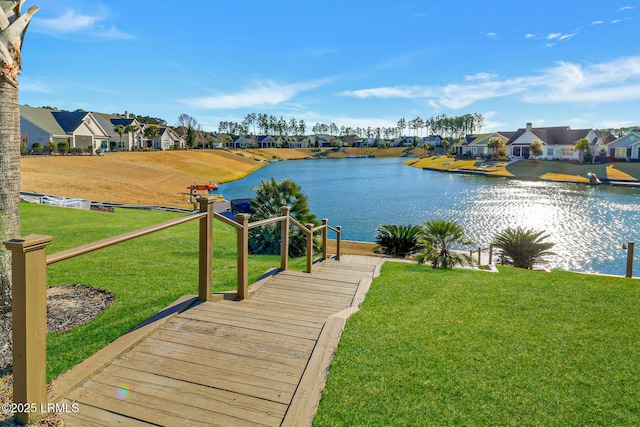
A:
(550, 152)
(568, 152)
(621, 152)
(475, 150)
(516, 151)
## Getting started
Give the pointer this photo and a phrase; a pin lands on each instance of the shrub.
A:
(270, 196)
(63, 147)
(522, 247)
(438, 237)
(36, 147)
(398, 240)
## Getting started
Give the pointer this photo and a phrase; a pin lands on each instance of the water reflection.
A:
(588, 224)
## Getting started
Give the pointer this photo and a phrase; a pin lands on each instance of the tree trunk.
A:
(9, 183)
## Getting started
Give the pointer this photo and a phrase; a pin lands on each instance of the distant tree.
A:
(536, 149)
(495, 144)
(119, 129)
(523, 247)
(152, 132)
(438, 237)
(583, 147)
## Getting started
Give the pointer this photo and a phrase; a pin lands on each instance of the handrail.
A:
(227, 221)
(100, 244)
(266, 221)
(299, 225)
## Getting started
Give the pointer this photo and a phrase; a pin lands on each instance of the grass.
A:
(462, 347)
(145, 274)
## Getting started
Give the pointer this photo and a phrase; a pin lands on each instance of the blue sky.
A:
(351, 62)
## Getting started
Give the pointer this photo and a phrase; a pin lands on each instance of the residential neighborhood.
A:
(87, 132)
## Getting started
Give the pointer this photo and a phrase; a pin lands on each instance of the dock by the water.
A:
(259, 361)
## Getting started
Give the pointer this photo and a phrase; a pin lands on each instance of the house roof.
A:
(41, 118)
(558, 135)
(69, 121)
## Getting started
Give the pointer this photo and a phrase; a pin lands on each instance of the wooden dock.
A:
(259, 361)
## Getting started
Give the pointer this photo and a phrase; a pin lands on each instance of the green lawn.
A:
(144, 274)
(466, 347)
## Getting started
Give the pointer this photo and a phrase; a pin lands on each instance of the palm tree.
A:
(398, 240)
(13, 26)
(523, 247)
(583, 146)
(438, 237)
(152, 132)
(270, 196)
(119, 129)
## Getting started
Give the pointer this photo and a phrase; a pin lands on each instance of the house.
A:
(240, 142)
(80, 129)
(127, 141)
(558, 143)
(267, 141)
(403, 141)
(299, 143)
(351, 141)
(478, 145)
(431, 140)
(320, 140)
(626, 147)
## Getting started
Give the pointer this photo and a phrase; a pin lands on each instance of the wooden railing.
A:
(29, 281)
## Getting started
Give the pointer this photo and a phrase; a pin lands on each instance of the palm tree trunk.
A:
(9, 183)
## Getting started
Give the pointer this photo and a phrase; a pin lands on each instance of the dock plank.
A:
(231, 363)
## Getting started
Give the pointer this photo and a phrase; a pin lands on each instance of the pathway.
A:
(260, 361)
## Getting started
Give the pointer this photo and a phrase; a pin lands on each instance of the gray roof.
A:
(41, 118)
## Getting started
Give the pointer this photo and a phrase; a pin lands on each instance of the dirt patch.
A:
(68, 306)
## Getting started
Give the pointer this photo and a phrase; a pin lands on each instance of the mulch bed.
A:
(68, 306)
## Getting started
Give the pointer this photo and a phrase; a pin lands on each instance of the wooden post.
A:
(284, 238)
(490, 254)
(29, 305)
(309, 247)
(206, 250)
(325, 232)
(243, 256)
(338, 237)
(479, 254)
(630, 246)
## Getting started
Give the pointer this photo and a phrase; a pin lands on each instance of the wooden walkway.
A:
(260, 361)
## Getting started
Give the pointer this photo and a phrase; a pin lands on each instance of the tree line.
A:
(451, 127)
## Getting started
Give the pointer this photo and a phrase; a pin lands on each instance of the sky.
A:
(354, 63)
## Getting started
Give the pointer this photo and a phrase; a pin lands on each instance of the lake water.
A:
(588, 224)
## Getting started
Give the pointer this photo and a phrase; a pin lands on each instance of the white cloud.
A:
(261, 93)
(492, 35)
(616, 124)
(71, 22)
(566, 82)
(624, 8)
(560, 37)
(529, 36)
(597, 23)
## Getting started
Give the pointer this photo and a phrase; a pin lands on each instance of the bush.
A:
(438, 238)
(270, 197)
(522, 247)
(63, 147)
(398, 240)
(36, 147)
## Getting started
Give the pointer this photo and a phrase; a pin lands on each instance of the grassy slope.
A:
(145, 274)
(157, 178)
(471, 348)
